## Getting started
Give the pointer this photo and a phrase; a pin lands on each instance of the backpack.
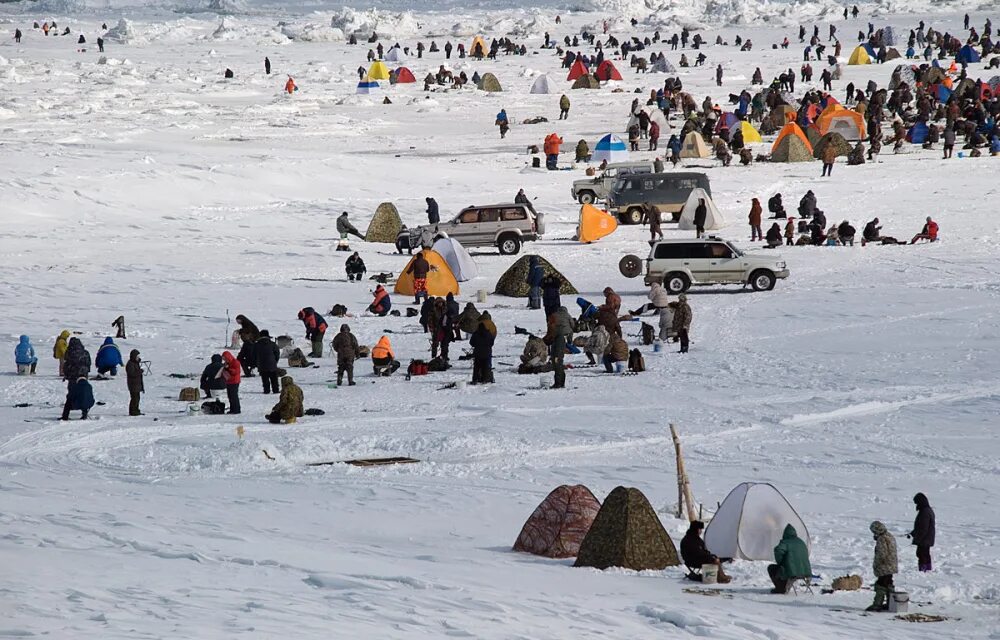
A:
(417, 368)
(213, 408)
(338, 311)
(648, 334)
(636, 362)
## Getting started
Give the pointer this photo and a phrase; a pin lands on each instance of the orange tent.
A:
(595, 224)
(478, 48)
(404, 76)
(578, 69)
(607, 71)
(440, 281)
(791, 129)
(846, 122)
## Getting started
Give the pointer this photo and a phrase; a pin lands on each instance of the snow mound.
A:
(122, 33)
(312, 33)
(227, 7)
(712, 13)
(386, 24)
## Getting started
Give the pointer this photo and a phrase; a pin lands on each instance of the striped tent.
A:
(610, 148)
(367, 85)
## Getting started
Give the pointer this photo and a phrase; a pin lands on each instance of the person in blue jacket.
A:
(109, 358)
(79, 396)
(534, 280)
(24, 355)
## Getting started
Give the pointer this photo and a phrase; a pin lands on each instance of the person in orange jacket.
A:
(382, 302)
(290, 86)
(551, 148)
(383, 359)
(315, 329)
(232, 375)
(929, 232)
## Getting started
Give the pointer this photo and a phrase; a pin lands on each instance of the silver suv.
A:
(504, 226)
(678, 264)
(590, 190)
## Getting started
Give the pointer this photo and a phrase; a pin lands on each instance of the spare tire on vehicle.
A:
(630, 266)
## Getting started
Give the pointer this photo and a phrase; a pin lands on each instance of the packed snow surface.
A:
(140, 182)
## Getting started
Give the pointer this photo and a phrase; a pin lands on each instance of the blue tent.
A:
(918, 133)
(610, 148)
(942, 93)
(367, 86)
(967, 55)
(935, 63)
(870, 49)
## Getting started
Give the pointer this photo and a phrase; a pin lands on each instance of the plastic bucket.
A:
(481, 296)
(657, 345)
(899, 602)
(709, 573)
(620, 367)
(460, 384)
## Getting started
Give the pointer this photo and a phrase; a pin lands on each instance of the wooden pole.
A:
(685, 496)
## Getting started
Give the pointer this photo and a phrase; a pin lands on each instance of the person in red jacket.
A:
(382, 303)
(232, 375)
(929, 232)
(315, 330)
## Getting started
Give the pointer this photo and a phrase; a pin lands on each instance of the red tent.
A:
(404, 76)
(578, 69)
(607, 71)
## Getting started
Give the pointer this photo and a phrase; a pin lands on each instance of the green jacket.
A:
(564, 103)
(792, 556)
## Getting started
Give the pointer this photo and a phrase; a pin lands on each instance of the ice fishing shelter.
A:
(610, 148)
(542, 84)
(627, 533)
(489, 83)
(385, 224)
(440, 280)
(514, 281)
(402, 75)
(791, 145)
(967, 55)
(607, 71)
(594, 224)
(459, 261)
(662, 65)
(396, 54)
(713, 217)
(694, 146)
(749, 133)
(367, 86)
(560, 523)
(577, 70)
(859, 56)
(846, 122)
(378, 71)
(478, 49)
(918, 133)
(750, 523)
(587, 81)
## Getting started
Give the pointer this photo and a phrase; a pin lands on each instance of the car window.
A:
(719, 250)
(680, 251)
(489, 215)
(647, 184)
(513, 214)
(686, 183)
(469, 216)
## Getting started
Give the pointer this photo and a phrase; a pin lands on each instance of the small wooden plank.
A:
(366, 462)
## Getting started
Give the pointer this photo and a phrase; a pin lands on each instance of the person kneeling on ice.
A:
(383, 359)
(534, 358)
(695, 554)
(355, 268)
(885, 565)
(382, 303)
(597, 343)
(289, 407)
(791, 561)
(616, 355)
(79, 397)
(211, 377)
(24, 356)
(109, 358)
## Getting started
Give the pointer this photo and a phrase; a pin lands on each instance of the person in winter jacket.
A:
(345, 228)
(846, 233)
(419, 269)
(923, 532)
(829, 157)
(609, 320)
(756, 212)
(654, 217)
(522, 198)
(109, 358)
(355, 268)
(682, 321)
(249, 333)
(345, 345)
(211, 376)
(612, 300)
(564, 107)
(536, 273)
(433, 212)
(774, 236)
(929, 232)
(534, 355)
(231, 374)
(384, 361)
(453, 310)
(597, 343)
(382, 303)
(657, 300)
(550, 294)
(76, 362)
(617, 351)
(559, 334)
(426, 314)
(776, 207)
(487, 321)
(59, 350)
(482, 355)
(133, 379)
(884, 566)
(315, 330)
(695, 554)
(791, 561)
(700, 215)
(468, 320)
(79, 397)
(24, 355)
(289, 407)
(266, 354)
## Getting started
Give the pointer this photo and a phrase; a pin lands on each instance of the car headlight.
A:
(781, 264)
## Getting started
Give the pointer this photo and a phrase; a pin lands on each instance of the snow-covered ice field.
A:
(150, 186)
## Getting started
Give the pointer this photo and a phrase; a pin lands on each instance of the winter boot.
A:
(881, 599)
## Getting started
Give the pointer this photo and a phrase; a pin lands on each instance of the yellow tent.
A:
(860, 56)
(694, 146)
(749, 133)
(440, 281)
(595, 224)
(378, 71)
(483, 48)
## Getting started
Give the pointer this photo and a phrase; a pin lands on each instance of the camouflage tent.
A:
(514, 281)
(933, 75)
(587, 81)
(791, 149)
(892, 54)
(559, 524)
(385, 224)
(489, 83)
(813, 136)
(627, 533)
(832, 138)
(780, 115)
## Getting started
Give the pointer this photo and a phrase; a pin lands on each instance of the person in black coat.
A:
(776, 207)
(695, 554)
(211, 376)
(266, 355)
(355, 267)
(453, 310)
(550, 294)
(923, 531)
(482, 355)
(433, 214)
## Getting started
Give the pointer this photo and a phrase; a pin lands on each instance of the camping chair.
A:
(795, 583)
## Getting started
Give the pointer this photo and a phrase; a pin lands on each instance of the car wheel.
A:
(676, 283)
(587, 197)
(509, 245)
(633, 216)
(630, 266)
(762, 280)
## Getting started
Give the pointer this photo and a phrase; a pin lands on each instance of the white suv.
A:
(678, 264)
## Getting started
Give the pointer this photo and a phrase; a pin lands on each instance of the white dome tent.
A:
(458, 259)
(713, 217)
(750, 523)
(542, 84)
(396, 54)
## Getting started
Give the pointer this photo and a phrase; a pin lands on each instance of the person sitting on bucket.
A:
(383, 359)
(381, 305)
(24, 356)
(791, 561)
(289, 407)
(695, 554)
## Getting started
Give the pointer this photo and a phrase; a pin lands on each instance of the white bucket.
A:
(481, 296)
(709, 574)
(460, 384)
(620, 367)
(899, 602)
(543, 382)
